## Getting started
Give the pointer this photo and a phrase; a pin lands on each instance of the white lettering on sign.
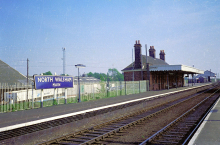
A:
(63, 79)
(45, 79)
(56, 84)
(68, 80)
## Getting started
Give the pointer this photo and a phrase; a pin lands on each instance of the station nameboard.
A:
(49, 82)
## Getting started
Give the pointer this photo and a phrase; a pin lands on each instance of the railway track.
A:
(181, 129)
(7, 136)
(104, 133)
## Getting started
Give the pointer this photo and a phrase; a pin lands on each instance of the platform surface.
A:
(14, 118)
(209, 131)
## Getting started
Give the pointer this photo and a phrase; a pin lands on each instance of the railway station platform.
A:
(23, 118)
(209, 131)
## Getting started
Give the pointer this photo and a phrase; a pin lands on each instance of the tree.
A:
(47, 73)
(115, 75)
(90, 74)
(112, 75)
(103, 77)
(64, 74)
(96, 75)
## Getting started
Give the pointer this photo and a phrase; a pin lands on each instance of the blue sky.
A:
(101, 33)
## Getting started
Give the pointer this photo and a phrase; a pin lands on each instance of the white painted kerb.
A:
(85, 111)
(201, 126)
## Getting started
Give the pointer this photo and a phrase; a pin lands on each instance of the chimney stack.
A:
(152, 51)
(162, 55)
(137, 49)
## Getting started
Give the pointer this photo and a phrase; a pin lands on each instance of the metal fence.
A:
(15, 98)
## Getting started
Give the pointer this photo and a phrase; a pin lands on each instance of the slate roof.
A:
(9, 75)
(151, 61)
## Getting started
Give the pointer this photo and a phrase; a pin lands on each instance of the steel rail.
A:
(45, 125)
(7, 128)
(173, 122)
(113, 120)
(113, 131)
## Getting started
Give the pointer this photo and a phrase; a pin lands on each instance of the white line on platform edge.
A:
(195, 136)
(85, 111)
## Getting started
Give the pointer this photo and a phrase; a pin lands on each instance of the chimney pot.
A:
(162, 55)
(152, 52)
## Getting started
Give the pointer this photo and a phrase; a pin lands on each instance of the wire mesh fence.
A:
(20, 97)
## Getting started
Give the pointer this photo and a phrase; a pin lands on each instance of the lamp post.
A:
(79, 66)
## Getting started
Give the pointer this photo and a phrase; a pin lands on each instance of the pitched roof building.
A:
(160, 74)
(206, 76)
(9, 75)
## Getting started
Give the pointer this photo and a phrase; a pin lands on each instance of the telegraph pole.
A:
(64, 60)
(27, 81)
(147, 67)
(133, 66)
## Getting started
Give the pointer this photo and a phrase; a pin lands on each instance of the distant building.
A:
(160, 74)
(206, 77)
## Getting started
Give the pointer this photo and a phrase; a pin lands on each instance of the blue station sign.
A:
(49, 82)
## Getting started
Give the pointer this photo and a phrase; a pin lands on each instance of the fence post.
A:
(54, 97)
(10, 98)
(65, 95)
(93, 89)
(120, 89)
(57, 97)
(5, 98)
(116, 88)
(107, 88)
(146, 86)
(125, 88)
(133, 87)
(14, 108)
(32, 95)
(139, 86)
(42, 95)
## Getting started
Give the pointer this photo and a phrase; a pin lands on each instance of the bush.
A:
(55, 102)
(84, 100)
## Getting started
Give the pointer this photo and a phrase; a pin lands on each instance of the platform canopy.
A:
(183, 68)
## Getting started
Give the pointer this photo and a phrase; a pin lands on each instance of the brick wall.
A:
(158, 80)
(128, 76)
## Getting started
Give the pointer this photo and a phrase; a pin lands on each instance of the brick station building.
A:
(160, 74)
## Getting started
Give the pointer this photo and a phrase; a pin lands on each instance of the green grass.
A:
(15, 107)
